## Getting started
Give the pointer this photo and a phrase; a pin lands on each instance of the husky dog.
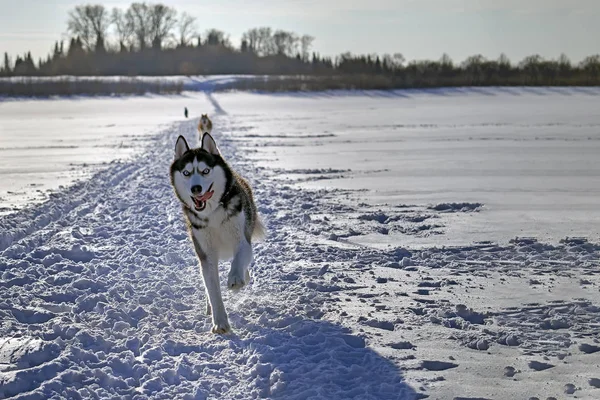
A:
(205, 125)
(221, 216)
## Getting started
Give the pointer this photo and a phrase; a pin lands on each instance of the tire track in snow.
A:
(108, 281)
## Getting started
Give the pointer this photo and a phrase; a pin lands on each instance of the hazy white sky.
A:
(419, 29)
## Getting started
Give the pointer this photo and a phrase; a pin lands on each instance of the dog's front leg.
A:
(214, 302)
(210, 273)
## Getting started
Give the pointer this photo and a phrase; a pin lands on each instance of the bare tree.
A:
(78, 25)
(531, 65)
(474, 67)
(98, 14)
(504, 61)
(279, 41)
(399, 60)
(90, 23)
(590, 60)
(162, 22)
(306, 43)
(124, 27)
(285, 42)
(258, 40)
(251, 39)
(138, 15)
(388, 61)
(473, 62)
(591, 64)
(215, 37)
(564, 61)
(186, 29)
(292, 44)
(446, 61)
(264, 44)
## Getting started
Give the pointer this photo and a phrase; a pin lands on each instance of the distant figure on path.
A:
(186, 112)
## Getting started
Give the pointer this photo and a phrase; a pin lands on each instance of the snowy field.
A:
(438, 244)
(529, 156)
(46, 144)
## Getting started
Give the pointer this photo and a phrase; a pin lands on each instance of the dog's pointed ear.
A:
(180, 147)
(209, 144)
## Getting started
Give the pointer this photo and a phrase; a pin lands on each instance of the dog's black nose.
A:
(196, 189)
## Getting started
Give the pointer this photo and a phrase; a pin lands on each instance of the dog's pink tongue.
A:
(206, 196)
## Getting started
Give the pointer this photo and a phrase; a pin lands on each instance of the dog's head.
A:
(199, 176)
(204, 120)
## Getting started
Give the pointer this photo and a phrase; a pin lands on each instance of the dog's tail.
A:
(260, 231)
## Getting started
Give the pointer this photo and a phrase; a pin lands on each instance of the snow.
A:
(45, 144)
(529, 155)
(403, 259)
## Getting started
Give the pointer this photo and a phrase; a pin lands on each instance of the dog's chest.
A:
(221, 238)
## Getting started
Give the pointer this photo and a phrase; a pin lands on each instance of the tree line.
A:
(155, 39)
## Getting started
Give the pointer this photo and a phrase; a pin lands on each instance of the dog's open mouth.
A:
(200, 200)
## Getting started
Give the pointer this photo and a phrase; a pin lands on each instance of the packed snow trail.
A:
(101, 297)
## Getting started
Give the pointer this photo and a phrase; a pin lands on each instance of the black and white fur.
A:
(221, 216)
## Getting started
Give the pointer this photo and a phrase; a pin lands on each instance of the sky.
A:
(419, 29)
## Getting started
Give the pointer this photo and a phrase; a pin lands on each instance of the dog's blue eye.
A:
(206, 171)
(186, 173)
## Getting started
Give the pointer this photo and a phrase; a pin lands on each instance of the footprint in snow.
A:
(437, 365)
(470, 398)
(402, 346)
(588, 348)
(570, 388)
(539, 366)
(374, 323)
(595, 382)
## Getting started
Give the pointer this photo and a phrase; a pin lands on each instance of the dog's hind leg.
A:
(239, 275)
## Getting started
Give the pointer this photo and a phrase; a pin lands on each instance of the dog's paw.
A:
(221, 328)
(236, 281)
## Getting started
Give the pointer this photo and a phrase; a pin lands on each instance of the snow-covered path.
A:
(101, 296)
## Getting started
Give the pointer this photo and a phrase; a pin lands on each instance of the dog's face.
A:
(204, 120)
(199, 176)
